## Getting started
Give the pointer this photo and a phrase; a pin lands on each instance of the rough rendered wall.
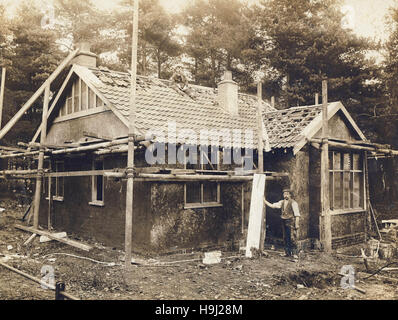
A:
(105, 124)
(160, 222)
(106, 224)
(176, 227)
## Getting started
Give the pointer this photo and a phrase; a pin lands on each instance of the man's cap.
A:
(287, 190)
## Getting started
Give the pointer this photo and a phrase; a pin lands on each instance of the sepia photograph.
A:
(198, 155)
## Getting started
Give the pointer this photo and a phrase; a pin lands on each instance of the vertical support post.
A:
(40, 171)
(50, 204)
(325, 225)
(260, 146)
(368, 220)
(316, 98)
(131, 138)
(260, 151)
(273, 102)
(2, 88)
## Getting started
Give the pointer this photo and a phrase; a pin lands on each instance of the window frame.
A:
(202, 166)
(83, 101)
(351, 172)
(94, 185)
(55, 183)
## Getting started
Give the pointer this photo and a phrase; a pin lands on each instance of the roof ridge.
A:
(167, 80)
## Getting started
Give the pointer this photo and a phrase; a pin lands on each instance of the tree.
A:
(306, 42)
(34, 57)
(81, 21)
(218, 33)
(157, 43)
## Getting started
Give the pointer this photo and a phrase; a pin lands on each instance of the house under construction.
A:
(81, 151)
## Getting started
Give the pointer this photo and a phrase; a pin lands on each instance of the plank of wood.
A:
(256, 214)
(37, 280)
(30, 239)
(70, 242)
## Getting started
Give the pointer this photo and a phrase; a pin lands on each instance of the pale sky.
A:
(366, 17)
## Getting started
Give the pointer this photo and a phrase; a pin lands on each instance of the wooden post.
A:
(325, 225)
(316, 98)
(260, 151)
(260, 146)
(40, 172)
(2, 88)
(50, 204)
(273, 102)
(130, 152)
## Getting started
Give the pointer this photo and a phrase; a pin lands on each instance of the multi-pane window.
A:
(80, 97)
(97, 183)
(346, 181)
(203, 193)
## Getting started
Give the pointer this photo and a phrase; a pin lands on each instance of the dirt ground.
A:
(178, 276)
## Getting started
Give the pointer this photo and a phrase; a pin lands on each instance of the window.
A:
(76, 95)
(203, 194)
(91, 99)
(346, 185)
(97, 184)
(57, 183)
(84, 96)
(80, 98)
(69, 103)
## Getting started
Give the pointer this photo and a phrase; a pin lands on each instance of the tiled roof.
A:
(159, 103)
(285, 127)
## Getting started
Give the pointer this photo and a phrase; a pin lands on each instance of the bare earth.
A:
(269, 277)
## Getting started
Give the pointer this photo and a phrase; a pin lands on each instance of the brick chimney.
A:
(85, 57)
(228, 94)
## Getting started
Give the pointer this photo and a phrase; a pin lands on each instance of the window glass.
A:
(84, 96)
(346, 181)
(210, 191)
(193, 191)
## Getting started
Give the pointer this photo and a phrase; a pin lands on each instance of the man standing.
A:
(290, 221)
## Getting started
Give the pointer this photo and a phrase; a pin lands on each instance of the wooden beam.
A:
(325, 218)
(260, 143)
(131, 136)
(70, 242)
(40, 164)
(256, 217)
(37, 94)
(361, 146)
(19, 155)
(40, 281)
(2, 89)
(12, 149)
(91, 147)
